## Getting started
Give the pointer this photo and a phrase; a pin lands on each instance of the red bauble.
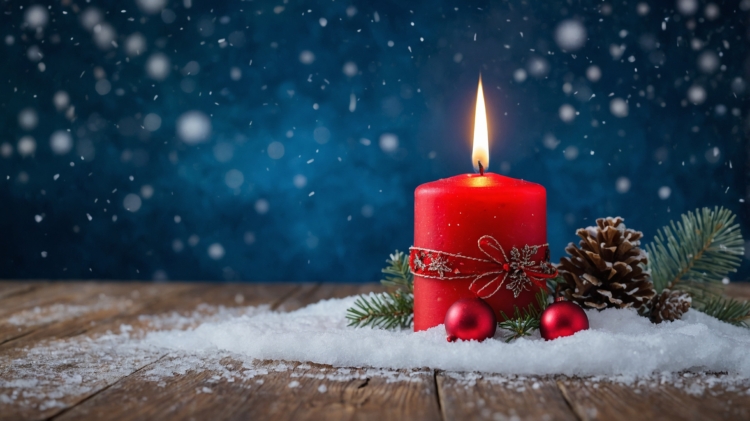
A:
(470, 319)
(562, 318)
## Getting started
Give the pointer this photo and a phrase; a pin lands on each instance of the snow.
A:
(619, 343)
(519, 75)
(216, 251)
(687, 7)
(61, 100)
(708, 62)
(158, 66)
(28, 119)
(275, 150)
(152, 122)
(151, 6)
(388, 142)
(712, 11)
(234, 178)
(91, 17)
(538, 66)
(6, 150)
(36, 17)
(61, 142)
(26, 146)
(618, 107)
(262, 206)
(622, 185)
(696, 94)
(306, 57)
(593, 73)
(135, 44)
(60, 312)
(570, 35)
(132, 202)
(104, 36)
(567, 113)
(350, 69)
(193, 127)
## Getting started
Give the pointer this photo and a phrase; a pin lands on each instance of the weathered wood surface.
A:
(31, 316)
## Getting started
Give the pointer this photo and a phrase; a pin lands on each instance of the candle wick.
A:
(481, 168)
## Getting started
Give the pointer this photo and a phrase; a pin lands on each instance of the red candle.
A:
(478, 235)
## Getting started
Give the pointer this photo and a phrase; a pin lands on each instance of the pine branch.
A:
(398, 274)
(519, 326)
(524, 324)
(729, 310)
(387, 310)
(697, 253)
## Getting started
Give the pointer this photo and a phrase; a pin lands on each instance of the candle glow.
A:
(481, 149)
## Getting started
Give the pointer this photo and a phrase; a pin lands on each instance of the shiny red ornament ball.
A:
(470, 319)
(562, 318)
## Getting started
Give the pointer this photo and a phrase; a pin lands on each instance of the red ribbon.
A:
(490, 274)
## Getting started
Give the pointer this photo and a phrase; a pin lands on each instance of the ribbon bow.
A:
(488, 275)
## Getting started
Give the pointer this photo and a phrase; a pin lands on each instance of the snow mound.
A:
(618, 343)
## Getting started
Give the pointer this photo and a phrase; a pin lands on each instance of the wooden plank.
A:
(96, 372)
(15, 288)
(485, 396)
(56, 303)
(283, 391)
(305, 393)
(132, 300)
(50, 293)
(739, 290)
(291, 391)
(688, 398)
(70, 309)
(150, 299)
(312, 293)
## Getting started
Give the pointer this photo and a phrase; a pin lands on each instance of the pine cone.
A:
(606, 270)
(669, 305)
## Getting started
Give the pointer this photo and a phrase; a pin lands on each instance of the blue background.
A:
(368, 100)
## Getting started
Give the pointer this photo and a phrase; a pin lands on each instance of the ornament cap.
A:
(560, 299)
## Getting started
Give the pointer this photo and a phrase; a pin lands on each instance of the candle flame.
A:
(481, 150)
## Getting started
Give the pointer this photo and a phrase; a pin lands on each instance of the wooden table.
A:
(112, 391)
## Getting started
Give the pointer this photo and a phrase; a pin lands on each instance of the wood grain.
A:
(283, 390)
(9, 289)
(289, 391)
(740, 291)
(694, 399)
(145, 299)
(39, 308)
(476, 396)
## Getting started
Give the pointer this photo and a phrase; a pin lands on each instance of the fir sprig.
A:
(696, 253)
(728, 310)
(397, 272)
(388, 310)
(524, 323)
